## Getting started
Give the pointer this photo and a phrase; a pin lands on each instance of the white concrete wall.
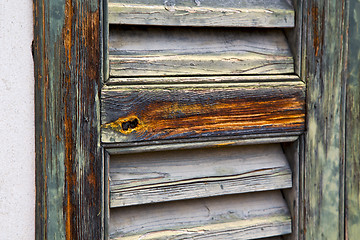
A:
(17, 154)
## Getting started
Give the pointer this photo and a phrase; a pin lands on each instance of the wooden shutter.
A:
(200, 96)
(69, 165)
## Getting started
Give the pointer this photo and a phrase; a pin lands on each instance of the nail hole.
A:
(130, 124)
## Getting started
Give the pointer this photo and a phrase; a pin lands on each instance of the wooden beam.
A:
(242, 216)
(176, 175)
(67, 58)
(155, 51)
(243, 13)
(323, 60)
(352, 132)
(183, 111)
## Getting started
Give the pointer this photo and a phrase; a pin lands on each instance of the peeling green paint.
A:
(323, 67)
(67, 61)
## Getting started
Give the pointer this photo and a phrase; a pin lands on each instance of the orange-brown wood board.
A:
(159, 112)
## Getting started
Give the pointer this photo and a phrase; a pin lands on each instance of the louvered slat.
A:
(243, 216)
(205, 80)
(168, 112)
(220, 13)
(177, 175)
(155, 51)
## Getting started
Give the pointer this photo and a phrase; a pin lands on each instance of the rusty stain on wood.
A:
(316, 42)
(174, 116)
(125, 125)
(316, 17)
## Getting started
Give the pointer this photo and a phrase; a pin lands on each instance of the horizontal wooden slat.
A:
(164, 145)
(155, 51)
(221, 13)
(176, 175)
(243, 216)
(197, 79)
(159, 112)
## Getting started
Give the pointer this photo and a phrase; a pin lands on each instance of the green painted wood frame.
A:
(330, 172)
(68, 61)
(352, 126)
(68, 57)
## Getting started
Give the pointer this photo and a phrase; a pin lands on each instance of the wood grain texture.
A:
(67, 59)
(220, 13)
(106, 157)
(294, 35)
(199, 79)
(176, 175)
(243, 216)
(323, 59)
(164, 112)
(352, 180)
(155, 51)
(105, 42)
(165, 145)
(293, 151)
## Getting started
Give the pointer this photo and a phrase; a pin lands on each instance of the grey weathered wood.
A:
(292, 152)
(153, 51)
(324, 38)
(221, 13)
(105, 49)
(135, 113)
(352, 126)
(242, 216)
(136, 147)
(106, 192)
(294, 35)
(207, 79)
(176, 175)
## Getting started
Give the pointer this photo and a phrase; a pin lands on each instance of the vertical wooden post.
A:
(69, 168)
(324, 40)
(352, 180)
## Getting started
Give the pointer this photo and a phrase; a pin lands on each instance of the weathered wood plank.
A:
(155, 51)
(105, 34)
(324, 37)
(293, 35)
(68, 72)
(197, 79)
(165, 145)
(220, 13)
(293, 152)
(176, 175)
(106, 192)
(352, 130)
(243, 216)
(160, 112)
